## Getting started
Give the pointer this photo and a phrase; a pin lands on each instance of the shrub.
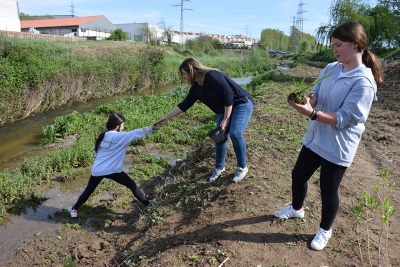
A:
(325, 55)
(119, 35)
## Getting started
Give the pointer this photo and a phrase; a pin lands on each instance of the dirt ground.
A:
(237, 227)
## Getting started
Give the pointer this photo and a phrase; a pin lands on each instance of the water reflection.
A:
(243, 80)
(282, 68)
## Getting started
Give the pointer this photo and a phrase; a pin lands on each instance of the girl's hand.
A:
(156, 126)
(313, 99)
(305, 109)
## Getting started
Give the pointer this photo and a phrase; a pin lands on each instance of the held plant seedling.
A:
(298, 95)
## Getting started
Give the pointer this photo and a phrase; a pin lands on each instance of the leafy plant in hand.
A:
(298, 95)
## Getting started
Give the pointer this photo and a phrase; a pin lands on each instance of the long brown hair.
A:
(114, 120)
(353, 32)
(194, 69)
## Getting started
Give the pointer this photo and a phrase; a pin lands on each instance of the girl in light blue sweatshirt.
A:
(109, 150)
(337, 107)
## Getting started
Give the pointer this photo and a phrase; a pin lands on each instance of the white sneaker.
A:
(73, 212)
(321, 239)
(216, 173)
(240, 174)
(289, 212)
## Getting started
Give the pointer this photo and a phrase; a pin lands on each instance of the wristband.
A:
(315, 115)
(312, 113)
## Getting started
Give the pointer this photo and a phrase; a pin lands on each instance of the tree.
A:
(274, 39)
(201, 44)
(166, 35)
(119, 35)
(294, 39)
(23, 16)
(381, 23)
(387, 24)
(342, 11)
(149, 34)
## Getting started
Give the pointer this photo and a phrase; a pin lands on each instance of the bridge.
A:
(244, 46)
(238, 46)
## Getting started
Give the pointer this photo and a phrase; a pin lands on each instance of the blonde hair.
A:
(194, 69)
(353, 32)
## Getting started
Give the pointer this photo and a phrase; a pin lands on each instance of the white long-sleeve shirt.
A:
(112, 150)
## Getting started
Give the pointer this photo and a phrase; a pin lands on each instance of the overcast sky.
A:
(226, 17)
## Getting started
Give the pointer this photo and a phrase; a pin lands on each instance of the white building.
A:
(9, 16)
(144, 32)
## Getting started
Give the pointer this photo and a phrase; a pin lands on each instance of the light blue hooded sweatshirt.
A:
(350, 97)
(111, 153)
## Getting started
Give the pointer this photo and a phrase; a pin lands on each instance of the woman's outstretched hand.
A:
(162, 121)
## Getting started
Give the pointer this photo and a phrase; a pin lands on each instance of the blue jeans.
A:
(239, 119)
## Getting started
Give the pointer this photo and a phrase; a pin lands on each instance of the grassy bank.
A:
(37, 75)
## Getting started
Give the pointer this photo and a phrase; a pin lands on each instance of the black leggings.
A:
(330, 177)
(121, 178)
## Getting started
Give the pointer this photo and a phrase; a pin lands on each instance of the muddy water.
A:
(23, 139)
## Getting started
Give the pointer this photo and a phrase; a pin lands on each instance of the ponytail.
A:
(113, 122)
(353, 32)
(99, 139)
(372, 62)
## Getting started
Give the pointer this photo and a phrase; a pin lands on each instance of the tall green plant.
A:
(376, 208)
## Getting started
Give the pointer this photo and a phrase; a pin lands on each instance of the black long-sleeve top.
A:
(218, 91)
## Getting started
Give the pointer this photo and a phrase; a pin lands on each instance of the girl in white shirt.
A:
(110, 150)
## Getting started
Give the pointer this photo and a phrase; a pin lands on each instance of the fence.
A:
(47, 37)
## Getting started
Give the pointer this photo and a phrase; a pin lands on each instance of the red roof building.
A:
(91, 26)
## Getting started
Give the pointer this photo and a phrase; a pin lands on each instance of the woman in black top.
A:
(228, 100)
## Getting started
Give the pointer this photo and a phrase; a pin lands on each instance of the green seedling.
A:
(301, 90)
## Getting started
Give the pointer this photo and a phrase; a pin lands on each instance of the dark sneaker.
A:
(149, 207)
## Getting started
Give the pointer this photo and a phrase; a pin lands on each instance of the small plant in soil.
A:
(298, 95)
(378, 207)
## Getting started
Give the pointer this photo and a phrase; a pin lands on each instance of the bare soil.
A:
(236, 226)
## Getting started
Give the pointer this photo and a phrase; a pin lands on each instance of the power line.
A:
(72, 9)
(181, 29)
(300, 18)
(247, 27)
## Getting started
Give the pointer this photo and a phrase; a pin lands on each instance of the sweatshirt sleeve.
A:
(128, 137)
(356, 106)
(189, 100)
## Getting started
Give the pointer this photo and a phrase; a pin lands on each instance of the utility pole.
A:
(181, 29)
(293, 36)
(72, 9)
(299, 21)
(247, 26)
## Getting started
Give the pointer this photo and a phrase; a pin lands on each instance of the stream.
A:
(23, 139)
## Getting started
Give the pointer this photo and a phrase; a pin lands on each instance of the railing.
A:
(47, 37)
(237, 46)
